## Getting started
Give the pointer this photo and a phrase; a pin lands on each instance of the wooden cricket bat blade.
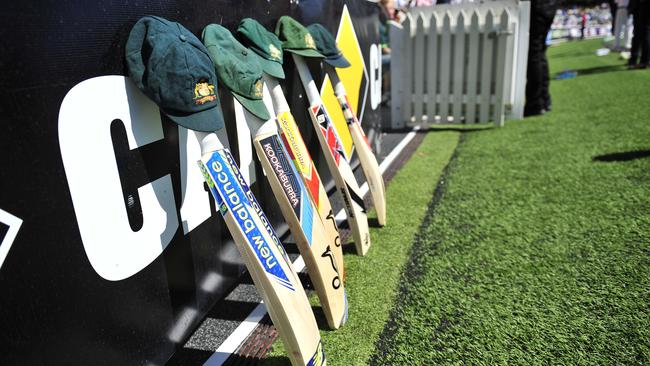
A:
(264, 257)
(304, 223)
(299, 155)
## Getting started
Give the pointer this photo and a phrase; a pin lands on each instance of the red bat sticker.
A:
(327, 129)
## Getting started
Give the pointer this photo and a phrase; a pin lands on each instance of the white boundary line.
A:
(234, 340)
(341, 216)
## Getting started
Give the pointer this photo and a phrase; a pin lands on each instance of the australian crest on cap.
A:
(275, 52)
(258, 88)
(310, 41)
(203, 93)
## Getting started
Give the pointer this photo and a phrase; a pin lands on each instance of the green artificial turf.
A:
(371, 281)
(538, 251)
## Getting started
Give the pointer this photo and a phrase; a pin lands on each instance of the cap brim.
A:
(255, 106)
(338, 61)
(209, 120)
(305, 52)
(271, 67)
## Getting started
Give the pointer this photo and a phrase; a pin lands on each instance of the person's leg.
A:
(645, 40)
(546, 95)
(535, 75)
(612, 9)
(621, 28)
(636, 40)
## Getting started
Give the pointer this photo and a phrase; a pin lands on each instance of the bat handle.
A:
(307, 81)
(209, 142)
(339, 89)
(277, 96)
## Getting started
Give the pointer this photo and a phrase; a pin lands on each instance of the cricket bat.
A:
(265, 259)
(368, 160)
(337, 163)
(299, 154)
(301, 215)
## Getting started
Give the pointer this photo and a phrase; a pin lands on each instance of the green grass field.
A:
(534, 249)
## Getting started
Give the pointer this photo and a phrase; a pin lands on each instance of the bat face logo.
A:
(336, 281)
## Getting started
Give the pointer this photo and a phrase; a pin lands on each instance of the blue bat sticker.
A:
(292, 185)
(229, 195)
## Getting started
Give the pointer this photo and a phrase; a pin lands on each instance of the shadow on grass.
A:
(277, 361)
(592, 70)
(622, 156)
(373, 222)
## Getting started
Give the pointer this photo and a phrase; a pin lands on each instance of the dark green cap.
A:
(296, 38)
(326, 44)
(264, 44)
(237, 68)
(172, 67)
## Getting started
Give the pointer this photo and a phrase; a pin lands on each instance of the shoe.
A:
(534, 112)
(637, 66)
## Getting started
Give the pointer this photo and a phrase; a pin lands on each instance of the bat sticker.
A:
(230, 196)
(256, 206)
(290, 182)
(318, 359)
(327, 129)
(350, 118)
(298, 152)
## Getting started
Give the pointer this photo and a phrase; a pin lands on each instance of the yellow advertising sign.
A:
(353, 78)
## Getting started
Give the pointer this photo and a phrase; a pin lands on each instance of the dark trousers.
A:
(537, 95)
(612, 8)
(641, 38)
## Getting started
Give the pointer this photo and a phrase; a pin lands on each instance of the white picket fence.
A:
(463, 63)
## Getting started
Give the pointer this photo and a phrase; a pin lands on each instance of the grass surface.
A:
(536, 252)
(581, 56)
(372, 280)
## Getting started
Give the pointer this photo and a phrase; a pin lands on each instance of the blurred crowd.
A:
(582, 22)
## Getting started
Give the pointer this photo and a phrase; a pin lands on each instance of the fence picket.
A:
(499, 92)
(397, 59)
(459, 67)
(472, 70)
(445, 66)
(419, 69)
(432, 61)
(407, 74)
(486, 67)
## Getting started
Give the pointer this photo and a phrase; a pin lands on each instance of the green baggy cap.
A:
(296, 38)
(237, 68)
(172, 67)
(326, 44)
(264, 44)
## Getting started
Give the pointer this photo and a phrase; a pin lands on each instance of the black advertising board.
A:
(111, 250)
